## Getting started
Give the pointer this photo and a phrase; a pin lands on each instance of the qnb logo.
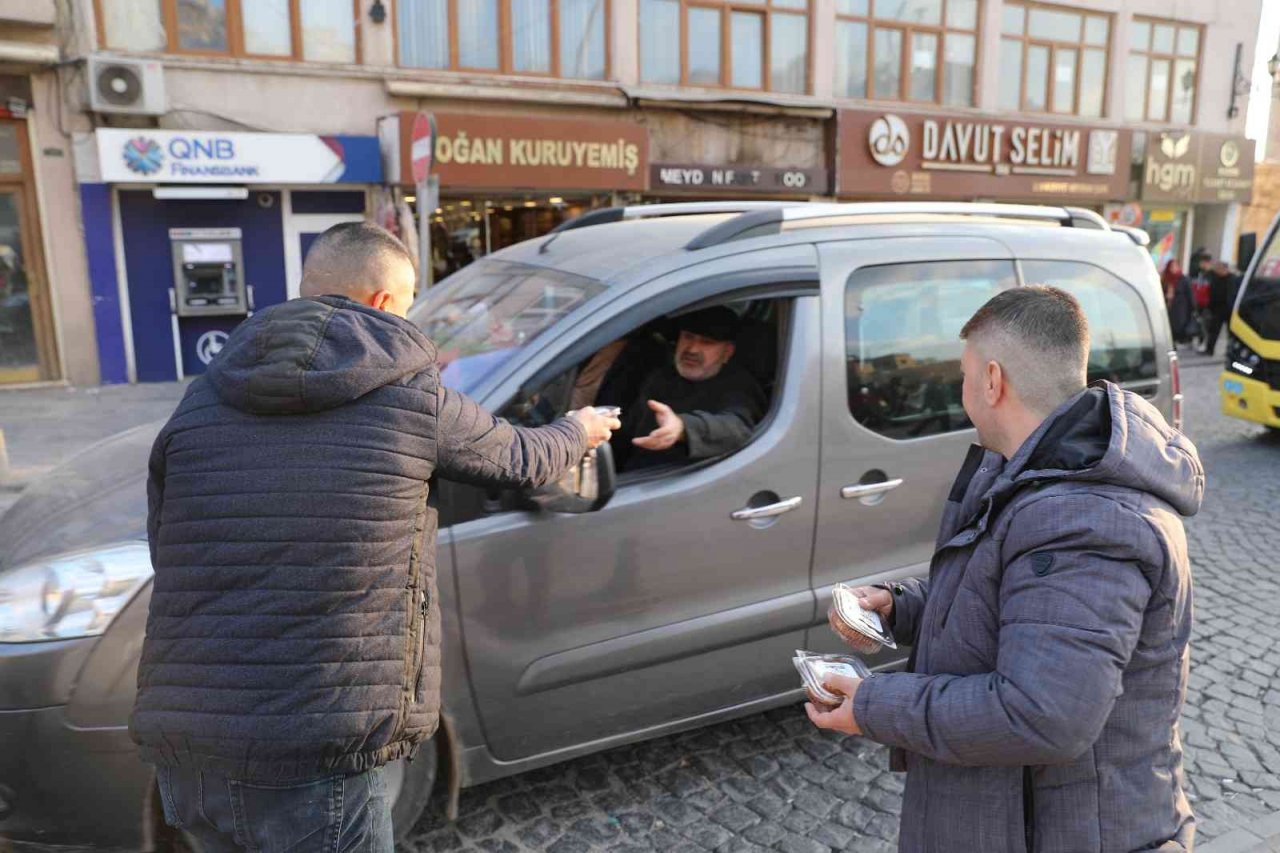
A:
(143, 156)
(889, 140)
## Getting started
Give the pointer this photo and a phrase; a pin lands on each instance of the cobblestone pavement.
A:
(772, 782)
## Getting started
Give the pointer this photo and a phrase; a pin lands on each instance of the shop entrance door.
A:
(26, 341)
(28, 352)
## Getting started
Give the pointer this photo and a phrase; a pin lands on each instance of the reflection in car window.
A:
(902, 334)
(480, 316)
(1123, 348)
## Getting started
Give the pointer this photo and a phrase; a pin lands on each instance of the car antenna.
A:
(542, 250)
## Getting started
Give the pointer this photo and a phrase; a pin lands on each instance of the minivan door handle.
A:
(862, 491)
(754, 513)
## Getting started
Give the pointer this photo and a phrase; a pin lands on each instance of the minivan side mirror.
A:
(587, 486)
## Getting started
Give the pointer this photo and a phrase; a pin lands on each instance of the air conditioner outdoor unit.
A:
(130, 86)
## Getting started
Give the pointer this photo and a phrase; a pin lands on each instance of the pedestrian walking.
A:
(1179, 303)
(292, 644)
(1223, 286)
(1050, 640)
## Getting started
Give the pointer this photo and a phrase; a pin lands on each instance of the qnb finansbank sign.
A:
(941, 156)
(166, 156)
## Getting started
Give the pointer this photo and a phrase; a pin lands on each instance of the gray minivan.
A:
(615, 606)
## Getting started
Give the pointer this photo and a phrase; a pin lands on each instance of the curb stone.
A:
(1259, 836)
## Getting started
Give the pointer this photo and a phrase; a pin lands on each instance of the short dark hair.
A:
(1040, 336)
(347, 254)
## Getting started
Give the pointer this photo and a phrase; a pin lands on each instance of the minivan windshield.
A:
(483, 315)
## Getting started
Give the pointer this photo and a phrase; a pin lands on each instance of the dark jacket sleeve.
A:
(710, 434)
(909, 597)
(475, 447)
(155, 492)
(1071, 608)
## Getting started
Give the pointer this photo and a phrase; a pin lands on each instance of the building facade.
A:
(193, 148)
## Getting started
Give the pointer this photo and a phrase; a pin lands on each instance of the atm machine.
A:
(209, 296)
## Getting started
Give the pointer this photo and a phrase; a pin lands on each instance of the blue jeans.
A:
(330, 814)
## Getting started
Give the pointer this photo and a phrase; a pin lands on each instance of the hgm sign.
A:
(1171, 166)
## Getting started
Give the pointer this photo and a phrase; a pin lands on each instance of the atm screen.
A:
(205, 281)
(206, 253)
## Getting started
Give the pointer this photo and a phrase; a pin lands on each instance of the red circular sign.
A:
(421, 146)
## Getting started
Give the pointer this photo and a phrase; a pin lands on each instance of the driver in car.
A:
(699, 406)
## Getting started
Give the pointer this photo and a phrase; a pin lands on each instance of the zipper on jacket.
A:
(1028, 809)
(425, 607)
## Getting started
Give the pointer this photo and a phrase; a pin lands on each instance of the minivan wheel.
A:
(409, 785)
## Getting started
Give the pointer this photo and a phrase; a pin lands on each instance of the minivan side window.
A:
(902, 339)
(1123, 348)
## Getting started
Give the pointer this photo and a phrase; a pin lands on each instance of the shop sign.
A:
(1172, 169)
(204, 157)
(940, 156)
(1226, 169)
(514, 152)
(763, 179)
(1198, 168)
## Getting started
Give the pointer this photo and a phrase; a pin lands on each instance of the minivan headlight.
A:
(73, 595)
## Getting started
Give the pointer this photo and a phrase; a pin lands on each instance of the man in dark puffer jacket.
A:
(293, 640)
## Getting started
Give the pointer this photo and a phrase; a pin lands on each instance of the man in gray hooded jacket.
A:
(1039, 709)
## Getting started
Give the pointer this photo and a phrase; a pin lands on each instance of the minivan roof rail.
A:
(771, 221)
(650, 211)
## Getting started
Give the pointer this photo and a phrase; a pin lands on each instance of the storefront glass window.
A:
(1158, 100)
(423, 30)
(704, 47)
(1064, 80)
(477, 24)
(1093, 81)
(788, 53)
(10, 155)
(202, 25)
(19, 357)
(1037, 77)
(940, 37)
(467, 35)
(888, 67)
(531, 35)
(1065, 65)
(1165, 228)
(767, 47)
(910, 11)
(924, 66)
(962, 14)
(267, 28)
(582, 35)
(1010, 74)
(851, 59)
(659, 50)
(1165, 55)
(958, 75)
(328, 31)
(747, 38)
(133, 25)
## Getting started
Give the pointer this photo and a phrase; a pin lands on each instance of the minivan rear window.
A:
(902, 339)
(1123, 348)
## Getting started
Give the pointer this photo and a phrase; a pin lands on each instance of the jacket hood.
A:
(1107, 435)
(306, 355)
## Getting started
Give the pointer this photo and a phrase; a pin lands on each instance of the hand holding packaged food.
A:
(816, 668)
(857, 622)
